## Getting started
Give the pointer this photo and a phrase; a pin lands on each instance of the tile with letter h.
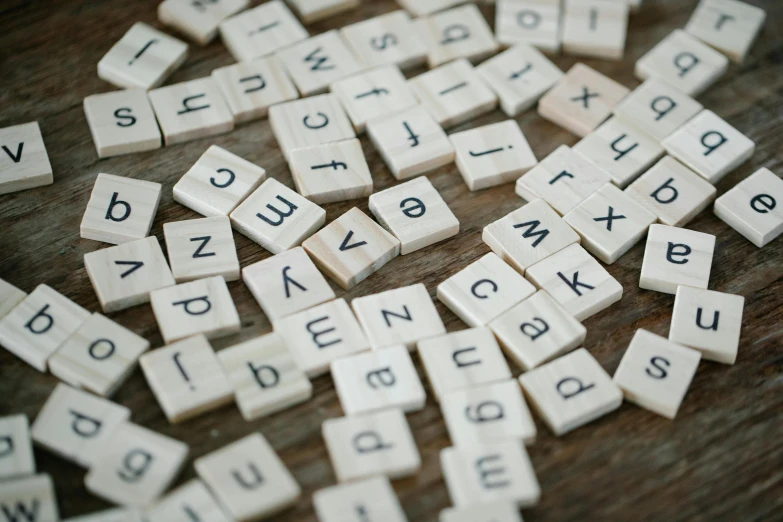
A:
(200, 248)
(261, 31)
(313, 10)
(676, 256)
(533, 22)
(388, 39)
(199, 21)
(24, 163)
(494, 511)
(595, 28)
(373, 497)
(16, 450)
(10, 296)
(753, 207)
(730, 26)
(191, 501)
(122, 122)
(331, 172)
(461, 32)
(29, 498)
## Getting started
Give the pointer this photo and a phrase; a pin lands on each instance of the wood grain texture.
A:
(719, 460)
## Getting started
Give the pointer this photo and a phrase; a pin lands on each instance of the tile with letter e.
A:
(199, 21)
(519, 76)
(655, 373)
(709, 146)
(364, 446)
(10, 296)
(99, 356)
(331, 172)
(684, 62)
(111, 515)
(453, 93)
(16, 449)
(39, 325)
(378, 380)
(351, 248)
(122, 122)
(581, 100)
(708, 321)
(200, 248)
(29, 498)
(261, 31)
(203, 306)
(676, 256)
(24, 163)
(136, 467)
(313, 10)
(494, 511)
(249, 479)
(595, 28)
(191, 501)
(461, 32)
(729, 26)
(264, 376)
(533, 22)
(373, 497)
(143, 58)
(753, 207)
(388, 39)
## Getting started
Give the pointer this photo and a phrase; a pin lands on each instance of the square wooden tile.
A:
(261, 31)
(29, 497)
(753, 207)
(200, 248)
(111, 515)
(460, 32)
(331, 172)
(533, 22)
(373, 497)
(419, 8)
(24, 163)
(388, 39)
(191, 501)
(676, 256)
(16, 448)
(496, 511)
(728, 25)
(122, 122)
(313, 10)
(10, 296)
(199, 21)
(595, 28)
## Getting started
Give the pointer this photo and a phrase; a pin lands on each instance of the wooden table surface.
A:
(719, 460)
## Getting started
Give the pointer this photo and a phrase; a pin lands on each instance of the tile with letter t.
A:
(655, 373)
(494, 511)
(24, 163)
(571, 391)
(313, 10)
(249, 479)
(533, 22)
(261, 31)
(10, 296)
(122, 122)
(16, 449)
(29, 498)
(730, 26)
(388, 39)
(461, 32)
(595, 28)
(676, 256)
(754, 207)
(200, 248)
(191, 501)
(373, 497)
(120, 209)
(331, 172)
(199, 21)
(111, 515)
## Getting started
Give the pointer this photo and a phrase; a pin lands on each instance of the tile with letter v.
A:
(754, 207)
(729, 26)
(16, 449)
(10, 296)
(494, 511)
(200, 248)
(531, 22)
(331, 172)
(595, 28)
(199, 21)
(313, 10)
(387, 39)
(122, 122)
(24, 163)
(29, 498)
(191, 501)
(676, 256)
(261, 31)
(461, 32)
(373, 497)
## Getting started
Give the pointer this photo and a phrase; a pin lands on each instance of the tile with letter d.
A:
(373, 497)
(331, 172)
(388, 39)
(199, 21)
(729, 26)
(10, 296)
(16, 449)
(24, 163)
(461, 32)
(29, 498)
(533, 22)
(122, 122)
(191, 501)
(595, 28)
(200, 248)
(494, 511)
(753, 207)
(313, 10)
(676, 256)
(261, 31)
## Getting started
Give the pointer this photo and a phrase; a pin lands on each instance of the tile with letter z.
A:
(16, 449)
(461, 32)
(331, 172)
(200, 248)
(122, 122)
(261, 31)
(373, 497)
(29, 498)
(24, 163)
(676, 256)
(754, 207)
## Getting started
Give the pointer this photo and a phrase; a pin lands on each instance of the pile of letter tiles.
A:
(645, 166)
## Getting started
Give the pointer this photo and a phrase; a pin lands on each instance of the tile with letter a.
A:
(313, 10)
(29, 498)
(709, 146)
(571, 391)
(581, 100)
(191, 501)
(356, 501)
(99, 356)
(461, 32)
(249, 479)
(595, 28)
(533, 22)
(378, 380)
(261, 31)
(754, 207)
(676, 256)
(286, 283)
(494, 512)
(388, 39)
(136, 467)
(111, 515)
(218, 182)
(186, 378)
(351, 248)
(364, 446)
(404, 315)
(319, 335)
(528, 235)
(484, 473)
(24, 163)
(331, 172)
(77, 425)
(684, 62)
(122, 122)
(415, 213)
(655, 373)
(453, 93)
(39, 325)
(144, 58)
(264, 376)
(10, 296)
(708, 321)
(201, 306)
(120, 209)
(519, 76)
(16, 450)
(199, 21)
(729, 26)
(201, 248)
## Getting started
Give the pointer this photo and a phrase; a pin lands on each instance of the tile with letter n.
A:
(24, 163)
(200, 248)
(16, 449)
(460, 32)
(729, 26)
(10, 296)
(533, 22)
(373, 497)
(388, 39)
(676, 256)
(313, 10)
(264, 376)
(331, 172)
(29, 498)
(261, 31)
(191, 501)
(39, 325)
(494, 511)
(595, 28)
(571, 391)
(199, 21)
(122, 122)
(203, 306)
(655, 373)
(249, 479)
(754, 207)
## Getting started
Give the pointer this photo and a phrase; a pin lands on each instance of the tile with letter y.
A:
(29, 498)
(24, 163)
(460, 32)
(261, 31)
(676, 256)
(122, 122)
(10, 296)
(373, 497)
(754, 207)
(533, 22)
(331, 172)
(388, 39)
(200, 248)
(494, 511)
(191, 501)
(730, 26)
(16, 449)
(595, 28)
(199, 21)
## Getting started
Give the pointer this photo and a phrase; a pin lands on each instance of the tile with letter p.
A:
(754, 207)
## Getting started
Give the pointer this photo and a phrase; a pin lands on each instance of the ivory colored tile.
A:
(143, 58)
(708, 321)
(581, 100)
(533, 22)
(203, 306)
(676, 256)
(10, 296)
(264, 376)
(137, 467)
(76, 425)
(709, 146)
(460, 32)
(261, 31)
(39, 325)
(124, 275)
(313, 10)
(331, 172)
(286, 283)
(24, 163)
(655, 373)
(29, 498)
(400, 210)
(218, 182)
(494, 512)
(199, 21)
(191, 501)
(728, 25)
(120, 209)
(99, 356)
(200, 248)
(453, 93)
(122, 122)
(364, 446)
(16, 449)
(419, 8)
(752, 207)
(595, 28)
(388, 39)
(684, 62)
(111, 515)
(249, 479)
(378, 380)
(373, 497)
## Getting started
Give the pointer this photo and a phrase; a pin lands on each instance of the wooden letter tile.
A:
(30, 498)
(595, 28)
(419, 8)
(534, 22)
(754, 207)
(16, 449)
(24, 163)
(676, 256)
(122, 122)
(261, 31)
(201, 248)
(189, 502)
(199, 21)
(10, 296)
(388, 39)
(495, 512)
(112, 515)
(331, 172)
(461, 32)
(728, 25)
(313, 10)
(373, 497)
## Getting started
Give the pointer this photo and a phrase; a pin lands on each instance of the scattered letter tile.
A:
(331, 172)
(313, 10)
(198, 20)
(595, 28)
(373, 497)
(533, 22)
(29, 498)
(419, 8)
(10, 296)
(728, 25)
(16, 449)
(189, 502)
(261, 31)
(122, 122)
(461, 32)
(495, 511)
(754, 207)
(676, 256)
(112, 515)
(200, 248)
(24, 163)
(388, 39)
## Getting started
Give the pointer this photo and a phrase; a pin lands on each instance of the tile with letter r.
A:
(729, 26)
(261, 31)
(10, 296)
(331, 172)
(28, 497)
(314, 10)
(16, 449)
(387, 39)
(533, 22)
(200, 248)
(460, 32)
(753, 207)
(595, 28)
(373, 497)
(191, 501)
(122, 122)
(199, 21)
(24, 163)
(676, 256)
(494, 511)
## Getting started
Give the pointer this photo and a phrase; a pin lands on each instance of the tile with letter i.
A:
(729, 26)
(191, 501)
(10, 296)
(199, 21)
(200, 248)
(388, 39)
(261, 31)
(494, 511)
(533, 22)
(122, 122)
(461, 32)
(595, 28)
(356, 501)
(249, 479)
(29, 498)
(655, 373)
(453, 93)
(24, 163)
(16, 449)
(753, 207)
(313, 10)
(143, 58)
(111, 515)
(676, 256)
(331, 172)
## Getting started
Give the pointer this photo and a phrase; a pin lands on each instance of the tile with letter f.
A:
(122, 122)
(16, 449)
(595, 28)
(676, 256)
(460, 32)
(29, 496)
(261, 31)
(373, 497)
(388, 39)
(729, 26)
(494, 511)
(191, 501)
(331, 172)
(533, 22)
(24, 163)
(199, 21)
(200, 248)
(754, 207)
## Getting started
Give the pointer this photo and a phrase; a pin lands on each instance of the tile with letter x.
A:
(331, 172)
(461, 32)
(532, 22)
(373, 497)
(494, 511)
(200, 248)
(122, 122)
(730, 26)
(313, 10)
(261, 31)
(29, 498)
(191, 501)
(16, 449)
(388, 39)
(10, 296)
(753, 207)
(676, 256)
(24, 163)
(199, 21)
(595, 28)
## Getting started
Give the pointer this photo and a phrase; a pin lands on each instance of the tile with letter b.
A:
(595, 28)
(331, 172)
(388, 39)
(753, 207)
(261, 31)
(655, 373)
(16, 449)
(111, 515)
(29, 498)
(730, 26)
(24, 163)
(191, 501)
(313, 10)
(122, 122)
(373, 497)
(199, 21)
(200, 248)
(533, 22)
(494, 511)
(10, 296)
(676, 256)
(461, 32)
